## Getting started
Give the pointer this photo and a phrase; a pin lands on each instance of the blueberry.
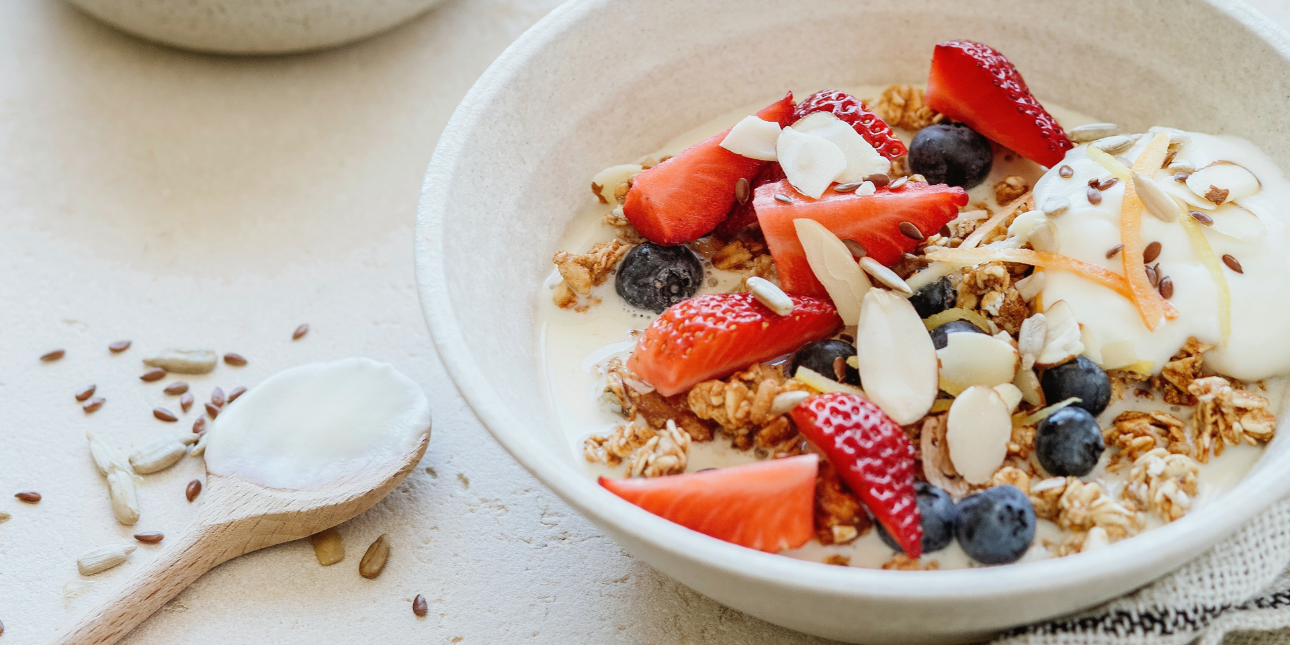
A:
(940, 335)
(1069, 442)
(996, 525)
(821, 356)
(951, 154)
(934, 298)
(938, 514)
(656, 277)
(1080, 378)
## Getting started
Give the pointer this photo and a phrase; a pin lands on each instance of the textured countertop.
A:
(186, 200)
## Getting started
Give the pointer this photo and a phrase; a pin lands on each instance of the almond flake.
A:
(1223, 181)
(862, 159)
(976, 359)
(978, 429)
(835, 267)
(1062, 340)
(896, 358)
(810, 163)
(753, 138)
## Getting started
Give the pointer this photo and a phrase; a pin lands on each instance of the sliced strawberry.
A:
(684, 198)
(975, 84)
(744, 216)
(714, 335)
(873, 455)
(765, 505)
(872, 220)
(853, 111)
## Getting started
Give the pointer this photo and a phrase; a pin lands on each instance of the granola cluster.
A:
(989, 290)
(1164, 482)
(1135, 433)
(666, 453)
(743, 405)
(748, 256)
(1226, 415)
(840, 517)
(582, 271)
(1079, 506)
(904, 106)
(1175, 378)
(1009, 189)
(902, 562)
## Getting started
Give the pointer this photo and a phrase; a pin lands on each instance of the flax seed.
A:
(1114, 250)
(28, 496)
(304, 328)
(857, 249)
(217, 396)
(1094, 195)
(178, 387)
(1232, 263)
(154, 374)
(150, 537)
(236, 392)
(53, 355)
(742, 191)
(193, 489)
(212, 410)
(1152, 276)
(1066, 172)
(119, 346)
(93, 404)
(910, 231)
(879, 180)
(199, 426)
(236, 360)
(185, 401)
(419, 606)
(1166, 287)
(163, 414)
(1106, 184)
(1202, 218)
(85, 393)
(784, 199)
(1150, 253)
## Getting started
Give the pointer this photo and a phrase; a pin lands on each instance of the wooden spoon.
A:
(236, 517)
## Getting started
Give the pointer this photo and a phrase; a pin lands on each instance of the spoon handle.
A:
(145, 591)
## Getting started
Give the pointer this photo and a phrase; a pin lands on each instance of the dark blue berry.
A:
(1069, 442)
(938, 513)
(951, 153)
(934, 298)
(656, 277)
(940, 335)
(826, 357)
(1079, 378)
(996, 525)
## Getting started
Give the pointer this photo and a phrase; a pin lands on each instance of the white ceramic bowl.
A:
(600, 81)
(254, 26)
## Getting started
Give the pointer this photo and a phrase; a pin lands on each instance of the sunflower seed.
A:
(52, 355)
(183, 361)
(328, 547)
(897, 183)
(742, 192)
(1043, 236)
(178, 387)
(785, 401)
(373, 561)
(1154, 198)
(124, 496)
(784, 199)
(1150, 253)
(236, 392)
(4, 517)
(163, 414)
(106, 458)
(1092, 132)
(1182, 165)
(154, 374)
(157, 456)
(1232, 263)
(770, 295)
(192, 490)
(119, 346)
(300, 332)
(198, 449)
(849, 187)
(185, 401)
(28, 496)
(1113, 144)
(1056, 206)
(236, 360)
(150, 537)
(103, 558)
(419, 606)
(93, 404)
(884, 275)
(85, 393)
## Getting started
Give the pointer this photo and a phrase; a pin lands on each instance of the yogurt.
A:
(1254, 229)
(309, 425)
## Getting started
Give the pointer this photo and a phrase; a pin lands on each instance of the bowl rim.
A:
(1168, 547)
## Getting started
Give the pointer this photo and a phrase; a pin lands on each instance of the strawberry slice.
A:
(872, 220)
(853, 111)
(744, 216)
(873, 455)
(714, 335)
(684, 198)
(975, 84)
(767, 505)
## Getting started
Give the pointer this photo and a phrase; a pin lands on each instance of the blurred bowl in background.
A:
(254, 26)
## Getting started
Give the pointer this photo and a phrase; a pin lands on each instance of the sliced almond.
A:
(1114, 144)
(1031, 339)
(810, 163)
(1062, 341)
(885, 276)
(978, 429)
(1237, 222)
(753, 138)
(862, 159)
(937, 467)
(1027, 383)
(976, 359)
(1032, 285)
(1154, 198)
(1182, 193)
(897, 360)
(834, 266)
(1043, 236)
(1010, 394)
(1223, 181)
(1118, 354)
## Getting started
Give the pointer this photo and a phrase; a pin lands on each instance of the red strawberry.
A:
(853, 111)
(684, 198)
(975, 84)
(714, 335)
(767, 505)
(874, 457)
(872, 220)
(744, 215)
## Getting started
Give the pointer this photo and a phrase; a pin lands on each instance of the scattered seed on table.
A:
(300, 331)
(419, 606)
(1166, 287)
(93, 404)
(193, 490)
(85, 392)
(1232, 263)
(119, 346)
(1114, 250)
(217, 397)
(199, 426)
(1202, 218)
(236, 392)
(53, 355)
(29, 496)
(234, 359)
(910, 231)
(154, 374)
(212, 410)
(163, 414)
(373, 561)
(328, 546)
(150, 537)
(178, 387)
(1150, 253)
(185, 401)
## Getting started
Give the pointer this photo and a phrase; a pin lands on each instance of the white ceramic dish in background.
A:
(602, 81)
(254, 26)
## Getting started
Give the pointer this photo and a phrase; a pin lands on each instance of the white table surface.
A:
(186, 200)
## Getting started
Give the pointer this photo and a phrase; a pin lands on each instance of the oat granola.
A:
(1164, 482)
(1226, 416)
